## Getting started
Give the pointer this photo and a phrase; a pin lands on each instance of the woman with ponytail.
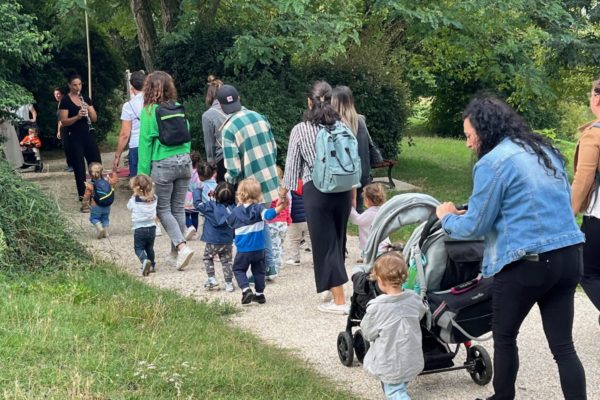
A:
(326, 213)
(212, 120)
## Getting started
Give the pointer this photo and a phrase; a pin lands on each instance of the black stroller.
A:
(31, 154)
(448, 278)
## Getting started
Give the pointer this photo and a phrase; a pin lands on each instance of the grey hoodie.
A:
(212, 119)
(391, 325)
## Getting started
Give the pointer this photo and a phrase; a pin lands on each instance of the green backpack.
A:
(337, 163)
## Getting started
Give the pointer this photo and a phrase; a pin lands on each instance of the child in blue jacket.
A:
(217, 235)
(248, 221)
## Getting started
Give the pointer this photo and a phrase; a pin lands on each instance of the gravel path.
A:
(290, 318)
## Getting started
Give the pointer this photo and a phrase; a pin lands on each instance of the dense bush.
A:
(33, 234)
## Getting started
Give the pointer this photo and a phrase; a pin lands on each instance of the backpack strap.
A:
(133, 110)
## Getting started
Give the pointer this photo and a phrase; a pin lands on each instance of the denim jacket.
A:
(518, 206)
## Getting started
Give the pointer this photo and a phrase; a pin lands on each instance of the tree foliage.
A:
(21, 44)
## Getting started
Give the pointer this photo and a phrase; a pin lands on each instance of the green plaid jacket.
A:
(249, 150)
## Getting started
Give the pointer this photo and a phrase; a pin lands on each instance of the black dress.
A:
(80, 142)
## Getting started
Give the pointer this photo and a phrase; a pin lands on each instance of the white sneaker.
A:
(189, 234)
(333, 308)
(229, 287)
(158, 230)
(291, 261)
(146, 267)
(100, 232)
(183, 257)
(211, 283)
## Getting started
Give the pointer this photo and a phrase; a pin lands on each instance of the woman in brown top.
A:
(585, 197)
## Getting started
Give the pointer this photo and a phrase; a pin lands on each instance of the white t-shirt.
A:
(131, 112)
(23, 112)
(594, 208)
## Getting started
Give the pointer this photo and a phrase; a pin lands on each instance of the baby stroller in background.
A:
(446, 273)
(30, 146)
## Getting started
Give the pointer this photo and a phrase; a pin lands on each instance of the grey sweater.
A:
(391, 325)
(212, 119)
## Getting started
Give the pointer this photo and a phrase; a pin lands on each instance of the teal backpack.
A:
(337, 163)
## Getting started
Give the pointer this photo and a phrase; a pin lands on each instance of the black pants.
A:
(549, 282)
(591, 259)
(143, 243)
(83, 150)
(221, 171)
(327, 216)
(255, 260)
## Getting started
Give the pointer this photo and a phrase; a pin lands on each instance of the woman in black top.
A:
(77, 113)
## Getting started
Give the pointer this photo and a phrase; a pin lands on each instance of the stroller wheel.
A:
(361, 346)
(345, 348)
(482, 369)
(39, 167)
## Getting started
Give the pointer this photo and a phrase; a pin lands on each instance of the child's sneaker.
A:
(189, 234)
(183, 257)
(211, 283)
(259, 298)
(152, 269)
(291, 261)
(229, 287)
(106, 232)
(146, 265)
(247, 296)
(271, 273)
(100, 232)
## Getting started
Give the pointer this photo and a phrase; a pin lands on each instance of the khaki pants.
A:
(296, 232)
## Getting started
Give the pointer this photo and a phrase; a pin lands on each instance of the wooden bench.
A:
(389, 164)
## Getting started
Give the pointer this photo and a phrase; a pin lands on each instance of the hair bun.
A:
(211, 78)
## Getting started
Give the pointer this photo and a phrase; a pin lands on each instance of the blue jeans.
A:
(269, 260)
(395, 391)
(171, 177)
(99, 214)
(143, 243)
(132, 157)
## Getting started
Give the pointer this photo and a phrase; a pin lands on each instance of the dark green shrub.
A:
(33, 233)
(379, 94)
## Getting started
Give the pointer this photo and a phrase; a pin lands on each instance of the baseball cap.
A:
(229, 99)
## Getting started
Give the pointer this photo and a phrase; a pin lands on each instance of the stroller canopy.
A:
(401, 210)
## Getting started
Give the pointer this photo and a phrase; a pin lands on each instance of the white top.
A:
(143, 213)
(23, 112)
(131, 111)
(594, 209)
(364, 222)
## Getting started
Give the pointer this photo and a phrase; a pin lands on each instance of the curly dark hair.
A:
(495, 120)
(321, 112)
(159, 88)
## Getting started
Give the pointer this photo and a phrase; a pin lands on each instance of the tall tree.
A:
(146, 31)
(170, 12)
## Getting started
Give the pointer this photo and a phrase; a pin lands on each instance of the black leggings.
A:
(591, 259)
(549, 282)
(81, 146)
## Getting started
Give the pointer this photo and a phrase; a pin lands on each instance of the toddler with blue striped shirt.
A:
(247, 219)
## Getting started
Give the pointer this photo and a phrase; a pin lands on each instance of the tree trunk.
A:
(145, 31)
(170, 11)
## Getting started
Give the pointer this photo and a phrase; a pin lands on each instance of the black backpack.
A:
(104, 194)
(173, 128)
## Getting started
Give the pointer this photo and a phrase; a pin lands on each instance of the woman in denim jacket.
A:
(521, 205)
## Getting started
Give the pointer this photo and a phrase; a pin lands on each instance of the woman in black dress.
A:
(76, 113)
(326, 213)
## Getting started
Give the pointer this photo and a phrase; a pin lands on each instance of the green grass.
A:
(100, 334)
